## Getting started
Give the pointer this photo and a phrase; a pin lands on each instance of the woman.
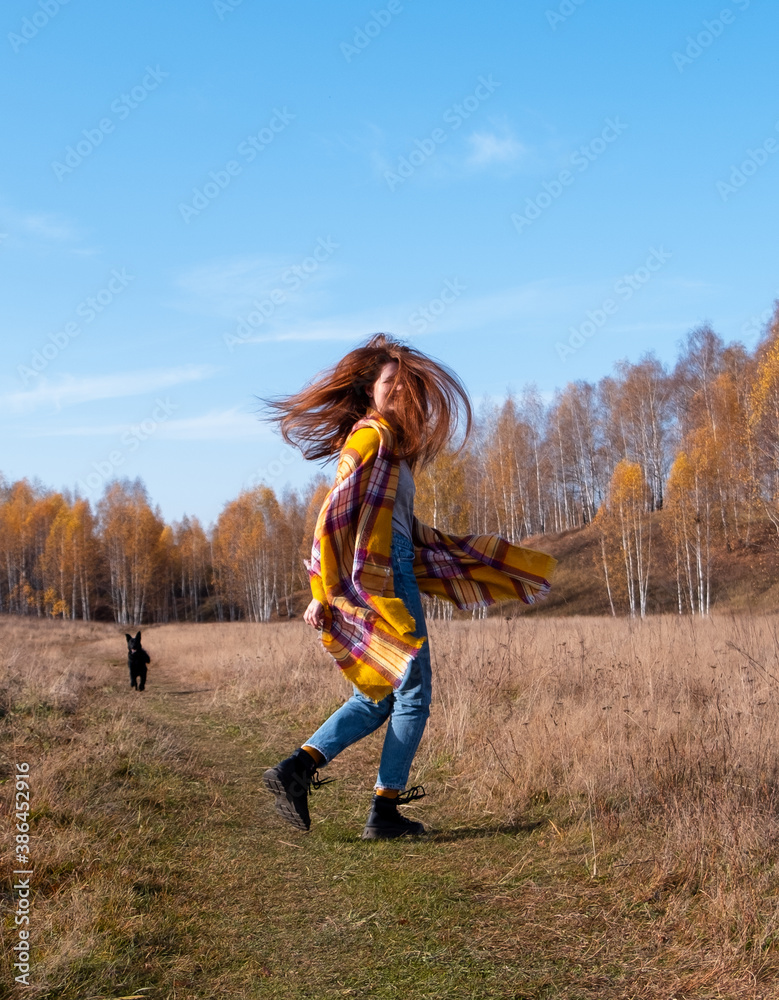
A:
(389, 410)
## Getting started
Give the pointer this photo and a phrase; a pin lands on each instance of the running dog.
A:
(137, 658)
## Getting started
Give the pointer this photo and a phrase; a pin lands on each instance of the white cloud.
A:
(38, 229)
(470, 313)
(488, 148)
(50, 227)
(68, 390)
(47, 226)
(347, 328)
(226, 284)
(537, 306)
(216, 425)
(227, 287)
(677, 325)
(457, 157)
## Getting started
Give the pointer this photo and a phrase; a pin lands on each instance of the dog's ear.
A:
(138, 637)
(129, 638)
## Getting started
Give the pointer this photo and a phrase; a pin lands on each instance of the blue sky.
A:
(205, 203)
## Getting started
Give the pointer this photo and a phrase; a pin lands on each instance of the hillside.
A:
(747, 576)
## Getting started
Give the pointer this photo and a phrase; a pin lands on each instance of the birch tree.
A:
(625, 527)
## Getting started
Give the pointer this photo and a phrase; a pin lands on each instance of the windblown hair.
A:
(424, 413)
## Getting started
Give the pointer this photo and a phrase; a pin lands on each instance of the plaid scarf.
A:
(367, 630)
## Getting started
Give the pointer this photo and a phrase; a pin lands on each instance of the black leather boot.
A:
(386, 823)
(291, 782)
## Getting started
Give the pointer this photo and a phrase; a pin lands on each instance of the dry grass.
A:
(603, 796)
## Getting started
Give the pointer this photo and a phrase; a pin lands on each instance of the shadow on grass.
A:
(474, 832)
(339, 834)
(192, 691)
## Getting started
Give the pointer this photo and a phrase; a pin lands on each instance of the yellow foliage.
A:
(764, 397)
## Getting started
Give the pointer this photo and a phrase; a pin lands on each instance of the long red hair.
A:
(424, 413)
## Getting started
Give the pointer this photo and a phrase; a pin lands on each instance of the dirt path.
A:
(252, 908)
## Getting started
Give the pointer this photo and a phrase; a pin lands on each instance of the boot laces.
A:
(315, 781)
(417, 792)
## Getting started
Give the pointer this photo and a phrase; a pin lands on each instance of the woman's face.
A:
(380, 391)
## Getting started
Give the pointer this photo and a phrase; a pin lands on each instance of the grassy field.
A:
(602, 805)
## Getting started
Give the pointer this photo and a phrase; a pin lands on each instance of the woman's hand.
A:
(314, 614)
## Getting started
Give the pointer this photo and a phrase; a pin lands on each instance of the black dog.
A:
(137, 658)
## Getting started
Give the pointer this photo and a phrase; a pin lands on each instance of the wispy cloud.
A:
(488, 148)
(51, 227)
(471, 313)
(346, 328)
(676, 325)
(223, 287)
(33, 228)
(227, 287)
(48, 226)
(216, 425)
(544, 305)
(69, 390)
(459, 156)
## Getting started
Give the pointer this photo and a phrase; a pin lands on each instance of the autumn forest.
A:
(688, 454)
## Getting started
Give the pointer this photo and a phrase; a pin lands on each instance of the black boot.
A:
(291, 781)
(386, 823)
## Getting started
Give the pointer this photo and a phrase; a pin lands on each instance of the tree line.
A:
(689, 450)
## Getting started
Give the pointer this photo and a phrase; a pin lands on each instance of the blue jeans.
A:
(405, 710)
